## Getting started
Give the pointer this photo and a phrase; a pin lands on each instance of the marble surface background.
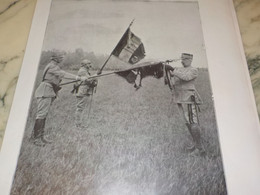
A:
(248, 13)
(15, 21)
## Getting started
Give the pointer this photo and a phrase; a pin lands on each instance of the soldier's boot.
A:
(44, 139)
(37, 133)
(194, 130)
(191, 147)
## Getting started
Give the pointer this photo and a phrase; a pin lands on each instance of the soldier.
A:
(84, 90)
(187, 98)
(46, 93)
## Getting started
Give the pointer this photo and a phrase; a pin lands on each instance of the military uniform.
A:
(84, 91)
(187, 97)
(45, 94)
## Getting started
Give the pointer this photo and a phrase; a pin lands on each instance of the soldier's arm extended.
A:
(63, 74)
(185, 74)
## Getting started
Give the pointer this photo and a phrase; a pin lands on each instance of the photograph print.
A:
(122, 103)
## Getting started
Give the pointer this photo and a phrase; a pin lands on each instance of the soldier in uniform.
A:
(187, 98)
(84, 90)
(46, 93)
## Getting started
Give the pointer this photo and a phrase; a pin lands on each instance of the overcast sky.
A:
(167, 29)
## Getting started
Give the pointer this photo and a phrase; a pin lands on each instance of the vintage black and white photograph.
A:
(122, 103)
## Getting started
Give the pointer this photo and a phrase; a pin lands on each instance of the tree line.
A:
(72, 60)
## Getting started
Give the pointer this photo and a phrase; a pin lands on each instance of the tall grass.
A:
(134, 143)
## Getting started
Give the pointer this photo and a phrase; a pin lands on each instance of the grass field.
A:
(134, 144)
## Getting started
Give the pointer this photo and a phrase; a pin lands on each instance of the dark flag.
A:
(143, 69)
(130, 48)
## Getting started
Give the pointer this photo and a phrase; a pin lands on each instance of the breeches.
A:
(43, 107)
(81, 103)
(189, 112)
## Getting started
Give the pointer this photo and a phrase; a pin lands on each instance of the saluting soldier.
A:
(187, 97)
(46, 93)
(84, 90)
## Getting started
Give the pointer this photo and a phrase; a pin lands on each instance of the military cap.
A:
(186, 56)
(57, 57)
(86, 63)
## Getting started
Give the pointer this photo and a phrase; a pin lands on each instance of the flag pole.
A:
(91, 77)
(100, 70)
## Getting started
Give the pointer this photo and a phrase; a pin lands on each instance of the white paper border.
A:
(20, 107)
(236, 113)
(235, 106)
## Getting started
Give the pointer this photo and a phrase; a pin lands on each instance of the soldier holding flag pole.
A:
(187, 98)
(84, 91)
(46, 93)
